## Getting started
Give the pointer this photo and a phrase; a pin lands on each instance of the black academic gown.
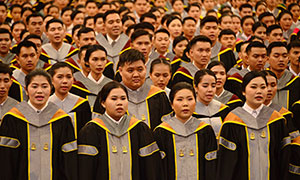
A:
(296, 114)
(185, 73)
(253, 148)
(189, 150)
(294, 166)
(37, 146)
(110, 151)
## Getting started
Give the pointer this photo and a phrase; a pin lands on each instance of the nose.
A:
(1, 84)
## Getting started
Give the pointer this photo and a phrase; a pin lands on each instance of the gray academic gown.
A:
(20, 77)
(8, 58)
(7, 105)
(57, 56)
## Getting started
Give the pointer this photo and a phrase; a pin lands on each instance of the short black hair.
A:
(251, 75)
(246, 5)
(5, 69)
(58, 65)
(179, 86)
(138, 33)
(26, 44)
(85, 47)
(165, 18)
(33, 15)
(15, 6)
(147, 15)
(254, 44)
(26, 9)
(162, 31)
(275, 44)
(208, 19)
(260, 3)
(272, 27)
(173, 1)
(130, 56)
(90, 1)
(15, 23)
(199, 75)
(144, 25)
(77, 26)
(265, 14)
(160, 61)
(84, 30)
(216, 63)
(226, 32)
(74, 14)
(178, 39)
(257, 25)
(33, 36)
(5, 31)
(65, 9)
(126, 18)
(54, 21)
(245, 18)
(223, 16)
(87, 18)
(37, 72)
(52, 6)
(97, 16)
(172, 18)
(108, 13)
(3, 4)
(92, 49)
(293, 44)
(193, 4)
(199, 38)
(188, 18)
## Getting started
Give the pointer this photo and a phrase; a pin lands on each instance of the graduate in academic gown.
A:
(37, 138)
(188, 145)
(76, 107)
(296, 114)
(96, 59)
(254, 140)
(115, 145)
(210, 110)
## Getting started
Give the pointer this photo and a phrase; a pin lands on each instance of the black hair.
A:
(272, 27)
(54, 21)
(65, 9)
(3, 4)
(245, 18)
(172, 18)
(251, 75)
(265, 14)
(74, 14)
(223, 16)
(108, 13)
(33, 36)
(253, 38)
(97, 16)
(216, 63)
(283, 13)
(23, 33)
(102, 4)
(26, 9)
(269, 73)
(199, 38)
(26, 44)
(138, 33)
(254, 44)
(275, 44)
(260, 3)
(127, 18)
(179, 86)
(208, 19)
(15, 23)
(85, 47)
(165, 18)
(226, 32)
(144, 25)
(245, 6)
(52, 6)
(130, 56)
(103, 94)
(162, 31)
(291, 6)
(6, 31)
(178, 39)
(54, 67)
(77, 26)
(199, 75)
(5, 69)
(160, 61)
(293, 44)
(147, 15)
(33, 15)
(15, 6)
(188, 18)
(193, 4)
(90, 1)
(173, 1)
(84, 30)
(128, 30)
(257, 25)
(211, 11)
(92, 49)
(37, 72)
(86, 19)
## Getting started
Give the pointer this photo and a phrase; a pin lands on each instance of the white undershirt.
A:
(113, 120)
(250, 110)
(37, 110)
(91, 78)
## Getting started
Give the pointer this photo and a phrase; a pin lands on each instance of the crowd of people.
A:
(161, 89)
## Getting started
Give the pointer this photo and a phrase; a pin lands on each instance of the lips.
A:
(185, 111)
(64, 87)
(136, 80)
(2, 92)
(258, 98)
(99, 69)
(119, 110)
(39, 98)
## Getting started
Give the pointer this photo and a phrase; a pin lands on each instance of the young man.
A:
(146, 102)
(35, 24)
(199, 53)
(194, 11)
(274, 33)
(241, 63)
(294, 54)
(245, 10)
(161, 42)
(91, 8)
(288, 84)
(267, 18)
(57, 49)
(189, 26)
(114, 41)
(3, 12)
(5, 41)
(140, 7)
(15, 11)
(5, 83)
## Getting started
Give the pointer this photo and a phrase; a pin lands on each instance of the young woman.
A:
(207, 107)
(247, 23)
(115, 145)
(187, 144)
(76, 107)
(174, 26)
(259, 29)
(179, 45)
(225, 21)
(260, 8)
(222, 95)
(253, 139)
(285, 20)
(160, 73)
(37, 138)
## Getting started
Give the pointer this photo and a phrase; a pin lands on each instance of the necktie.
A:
(113, 43)
(254, 113)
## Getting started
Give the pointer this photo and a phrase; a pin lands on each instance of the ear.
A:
(244, 94)
(102, 104)
(120, 70)
(17, 59)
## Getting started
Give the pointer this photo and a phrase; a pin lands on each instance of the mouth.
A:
(2, 92)
(99, 69)
(39, 98)
(136, 80)
(119, 110)
(185, 111)
(259, 98)
(64, 88)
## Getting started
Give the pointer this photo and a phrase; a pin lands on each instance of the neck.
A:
(205, 103)
(39, 107)
(3, 54)
(24, 71)
(295, 20)
(271, 8)
(161, 52)
(57, 45)
(61, 96)
(253, 106)
(96, 76)
(296, 69)
(183, 120)
(189, 37)
(3, 98)
(219, 91)
(86, 73)
(267, 102)
(278, 73)
(200, 66)
(113, 37)
(214, 43)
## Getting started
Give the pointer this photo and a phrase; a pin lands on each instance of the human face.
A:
(90, 23)
(236, 24)
(268, 20)
(62, 80)
(62, 3)
(91, 9)
(97, 62)
(228, 41)
(142, 44)
(184, 104)
(82, 63)
(180, 47)
(255, 92)
(99, 26)
(129, 5)
(271, 3)
(226, 22)
(271, 88)
(35, 25)
(175, 28)
(127, 24)
(211, 30)
(243, 54)
(286, 22)
(220, 73)
(246, 12)
(296, 12)
(66, 18)
(56, 33)
(275, 35)
(261, 9)
(27, 59)
(87, 39)
(247, 26)
(25, 15)
(16, 14)
(116, 103)
(240, 2)
(208, 4)
(200, 54)
(38, 91)
(158, 17)
(261, 32)
(54, 11)
(113, 25)
(257, 58)
(278, 59)
(294, 55)
(189, 28)
(3, 13)
(134, 74)
(178, 6)
(161, 3)
(161, 42)
(141, 6)
(5, 83)
(194, 12)
(160, 75)
(78, 19)
(206, 89)
(5, 43)
(38, 44)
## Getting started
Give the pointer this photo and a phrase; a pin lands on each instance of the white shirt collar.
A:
(269, 103)
(220, 94)
(110, 40)
(112, 119)
(91, 78)
(250, 110)
(35, 109)
(292, 71)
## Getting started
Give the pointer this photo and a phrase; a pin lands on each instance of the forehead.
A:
(144, 38)
(63, 70)
(141, 1)
(258, 50)
(39, 79)
(201, 44)
(6, 75)
(278, 30)
(228, 36)
(161, 34)
(28, 50)
(55, 24)
(35, 41)
(138, 63)
(112, 16)
(280, 49)
(98, 53)
(210, 24)
(207, 79)
(4, 35)
(189, 21)
(257, 80)
(36, 19)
